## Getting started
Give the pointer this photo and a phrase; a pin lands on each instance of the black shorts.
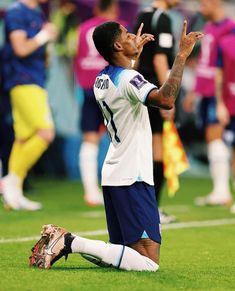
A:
(156, 120)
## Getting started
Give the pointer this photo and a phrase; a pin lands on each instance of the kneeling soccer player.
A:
(127, 176)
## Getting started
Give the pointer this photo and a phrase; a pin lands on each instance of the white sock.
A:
(118, 256)
(88, 168)
(218, 155)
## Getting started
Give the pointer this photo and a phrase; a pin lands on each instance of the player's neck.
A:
(123, 62)
(30, 3)
(160, 4)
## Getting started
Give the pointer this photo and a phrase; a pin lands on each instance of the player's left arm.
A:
(165, 97)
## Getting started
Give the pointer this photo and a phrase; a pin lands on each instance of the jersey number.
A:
(111, 121)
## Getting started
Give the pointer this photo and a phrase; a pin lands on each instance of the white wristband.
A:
(42, 37)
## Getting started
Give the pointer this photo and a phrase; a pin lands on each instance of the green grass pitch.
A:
(193, 256)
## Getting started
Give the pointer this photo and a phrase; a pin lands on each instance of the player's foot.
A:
(55, 242)
(11, 191)
(213, 200)
(26, 204)
(166, 218)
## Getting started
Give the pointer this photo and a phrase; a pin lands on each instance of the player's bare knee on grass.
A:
(148, 248)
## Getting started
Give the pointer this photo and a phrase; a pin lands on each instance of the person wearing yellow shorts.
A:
(24, 74)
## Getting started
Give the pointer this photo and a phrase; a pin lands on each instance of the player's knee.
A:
(47, 134)
(148, 248)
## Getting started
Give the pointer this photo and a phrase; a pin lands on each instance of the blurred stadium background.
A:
(62, 157)
(198, 250)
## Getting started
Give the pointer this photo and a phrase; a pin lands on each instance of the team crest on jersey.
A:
(138, 81)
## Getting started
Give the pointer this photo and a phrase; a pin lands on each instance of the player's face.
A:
(172, 3)
(128, 42)
(207, 8)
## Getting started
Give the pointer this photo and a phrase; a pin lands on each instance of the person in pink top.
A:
(225, 91)
(218, 152)
(88, 63)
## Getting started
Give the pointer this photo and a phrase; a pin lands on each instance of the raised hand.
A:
(188, 41)
(141, 40)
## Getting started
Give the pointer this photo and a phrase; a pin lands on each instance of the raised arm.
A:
(165, 97)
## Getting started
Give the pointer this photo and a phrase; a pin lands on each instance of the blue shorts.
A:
(131, 213)
(91, 115)
(207, 111)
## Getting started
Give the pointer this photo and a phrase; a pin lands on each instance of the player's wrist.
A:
(42, 37)
(181, 56)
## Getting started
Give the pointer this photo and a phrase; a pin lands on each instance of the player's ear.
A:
(117, 46)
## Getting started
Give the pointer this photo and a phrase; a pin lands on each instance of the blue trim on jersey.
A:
(113, 72)
(144, 235)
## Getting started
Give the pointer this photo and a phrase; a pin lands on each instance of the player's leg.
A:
(233, 173)
(133, 224)
(156, 122)
(91, 119)
(139, 256)
(230, 138)
(218, 157)
(56, 242)
(34, 131)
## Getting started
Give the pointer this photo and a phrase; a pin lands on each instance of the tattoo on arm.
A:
(170, 89)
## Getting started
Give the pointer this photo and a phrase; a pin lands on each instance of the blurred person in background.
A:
(154, 64)
(218, 152)
(88, 63)
(225, 91)
(66, 19)
(24, 72)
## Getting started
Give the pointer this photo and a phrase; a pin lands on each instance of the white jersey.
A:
(121, 94)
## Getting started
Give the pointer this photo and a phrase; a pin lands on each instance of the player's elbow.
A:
(167, 105)
(20, 52)
(157, 99)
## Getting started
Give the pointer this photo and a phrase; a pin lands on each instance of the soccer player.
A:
(88, 63)
(225, 90)
(218, 153)
(154, 64)
(127, 177)
(24, 72)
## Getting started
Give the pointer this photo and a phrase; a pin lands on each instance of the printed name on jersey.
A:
(102, 83)
(138, 82)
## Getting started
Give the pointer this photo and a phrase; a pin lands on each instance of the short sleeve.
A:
(135, 87)
(14, 20)
(163, 34)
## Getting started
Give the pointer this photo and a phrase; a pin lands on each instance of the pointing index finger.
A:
(184, 29)
(140, 30)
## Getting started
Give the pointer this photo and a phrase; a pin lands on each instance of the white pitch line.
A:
(180, 225)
